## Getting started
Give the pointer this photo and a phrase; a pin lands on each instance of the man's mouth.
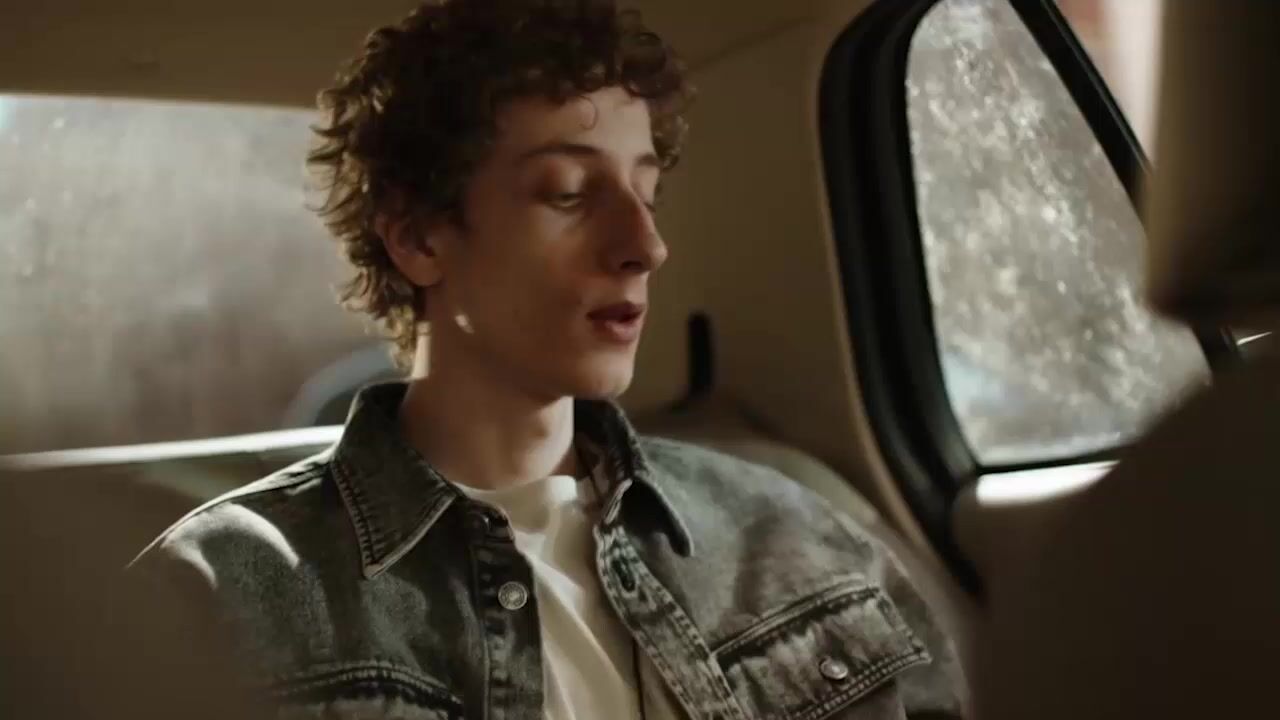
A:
(619, 323)
(620, 312)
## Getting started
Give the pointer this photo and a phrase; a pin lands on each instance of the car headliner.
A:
(279, 52)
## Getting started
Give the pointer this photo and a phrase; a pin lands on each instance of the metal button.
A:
(488, 523)
(513, 595)
(479, 522)
(833, 669)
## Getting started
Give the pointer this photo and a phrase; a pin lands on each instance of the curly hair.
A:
(409, 118)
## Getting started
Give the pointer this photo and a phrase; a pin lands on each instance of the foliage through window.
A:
(1033, 251)
(160, 275)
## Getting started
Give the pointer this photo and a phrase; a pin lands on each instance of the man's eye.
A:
(656, 201)
(564, 201)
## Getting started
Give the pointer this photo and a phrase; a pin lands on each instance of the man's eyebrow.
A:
(572, 149)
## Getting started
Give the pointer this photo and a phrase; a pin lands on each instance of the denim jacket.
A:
(359, 583)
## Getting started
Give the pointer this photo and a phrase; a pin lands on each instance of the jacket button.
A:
(479, 522)
(499, 528)
(513, 595)
(487, 523)
(833, 669)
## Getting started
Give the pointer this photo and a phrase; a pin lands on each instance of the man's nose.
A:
(636, 245)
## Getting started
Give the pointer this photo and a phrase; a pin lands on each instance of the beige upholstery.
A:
(234, 51)
(79, 638)
(1214, 217)
(153, 485)
(1153, 593)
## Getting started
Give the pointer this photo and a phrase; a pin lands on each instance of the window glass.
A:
(160, 277)
(1033, 251)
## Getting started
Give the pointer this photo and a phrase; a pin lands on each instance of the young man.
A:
(491, 539)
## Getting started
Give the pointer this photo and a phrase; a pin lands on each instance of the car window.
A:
(1033, 250)
(160, 277)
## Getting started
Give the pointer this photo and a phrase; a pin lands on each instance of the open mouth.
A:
(619, 323)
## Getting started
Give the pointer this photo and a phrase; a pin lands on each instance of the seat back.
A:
(153, 484)
(1153, 592)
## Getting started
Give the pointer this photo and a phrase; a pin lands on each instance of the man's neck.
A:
(484, 435)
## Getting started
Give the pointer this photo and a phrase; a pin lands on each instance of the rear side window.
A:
(1033, 251)
(161, 277)
(982, 180)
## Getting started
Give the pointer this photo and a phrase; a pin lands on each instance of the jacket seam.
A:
(384, 672)
(354, 500)
(848, 590)
(687, 634)
(475, 603)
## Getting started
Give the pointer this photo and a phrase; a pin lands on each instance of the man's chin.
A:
(604, 384)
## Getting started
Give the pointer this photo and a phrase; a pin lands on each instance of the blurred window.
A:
(160, 276)
(1033, 250)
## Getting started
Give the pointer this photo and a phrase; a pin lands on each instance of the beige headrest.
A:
(1212, 204)
(1153, 593)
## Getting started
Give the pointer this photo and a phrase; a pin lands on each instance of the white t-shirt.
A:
(588, 658)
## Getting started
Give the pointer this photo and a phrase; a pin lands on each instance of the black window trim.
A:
(868, 161)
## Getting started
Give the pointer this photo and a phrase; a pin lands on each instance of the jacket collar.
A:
(394, 496)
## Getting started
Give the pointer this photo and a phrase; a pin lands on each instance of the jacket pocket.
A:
(359, 690)
(808, 659)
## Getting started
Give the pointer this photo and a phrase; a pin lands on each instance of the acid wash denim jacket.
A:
(360, 583)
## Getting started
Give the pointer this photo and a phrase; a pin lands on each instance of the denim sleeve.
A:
(928, 692)
(189, 640)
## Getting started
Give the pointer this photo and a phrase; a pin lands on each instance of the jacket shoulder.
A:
(259, 510)
(683, 467)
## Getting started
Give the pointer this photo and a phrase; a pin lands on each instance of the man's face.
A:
(546, 282)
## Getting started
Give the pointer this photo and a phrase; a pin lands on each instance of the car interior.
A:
(1086, 505)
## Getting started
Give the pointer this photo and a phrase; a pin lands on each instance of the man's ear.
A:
(413, 246)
